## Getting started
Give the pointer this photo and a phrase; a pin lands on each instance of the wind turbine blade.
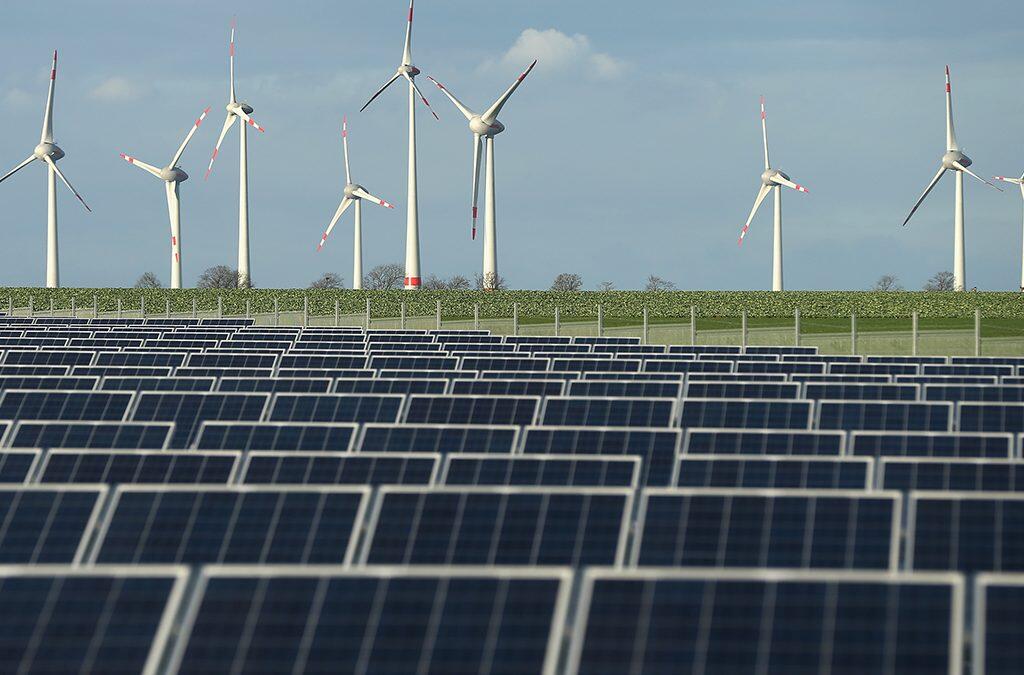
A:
(345, 203)
(363, 194)
(216, 149)
(492, 112)
(344, 142)
(451, 97)
(47, 135)
(18, 168)
(149, 168)
(188, 137)
(1015, 181)
(60, 174)
(231, 57)
(407, 54)
(477, 148)
(950, 131)
(761, 194)
(764, 133)
(380, 91)
(963, 168)
(931, 186)
(785, 182)
(250, 121)
(423, 98)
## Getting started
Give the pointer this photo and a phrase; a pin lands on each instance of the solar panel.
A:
(849, 391)
(489, 410)
(196, 525)
(504, 363)
(99, 406)
(873, 369)
(655, 447)
(376, 621)
(625, 388)
(427, 374)
(340, 468)
(188, 410)
(541, 470)
(382, 385)
(740, 389)
(591, 365)
(442, 438)
(736, 358)
(138, 466)
(763, 442)
(223, 372)
(32, 343)
(150, 359)
(458, 348)
(121, 371)
(666, 366)
(687, 527)
(821, 358)
(414, 362)
(214, 360)
(323, 361)
(16, 466)
(952, 379)
(68, 620)
(336, 408)
(757, 472)
(104, 343)
(275, 385)
(974, 392)
(960, 475)
(965, 369)
(971, 416)
(305, 436)
(735, 377)
(538, 339)
(929, 444)
(885, 416)
(179, 345)
(988, 360)
(36, 370)
(538, 387)
(606, 340)
(967, 532)
(704, 349)
(321, 373)
(918, 360)
(745, 413)
(44, 382)
(630, 350)
(998, 640)
(43, 525)
(498, 526)
(517, 375)
(738, 621)
(608, 412)
(158, 383)
(99, 435)
(49, 358)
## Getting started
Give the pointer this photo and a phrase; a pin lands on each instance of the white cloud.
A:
(115, 89)
(16, 98)
(557, 51)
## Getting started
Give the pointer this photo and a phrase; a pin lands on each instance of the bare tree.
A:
(387, 277)
(220, 276)
(148, 280)
(942, 281)
(887, 282)
(328, 280)
(567, 281)
(434, 283)
(493, 282)
(656, 283)
(606, 286)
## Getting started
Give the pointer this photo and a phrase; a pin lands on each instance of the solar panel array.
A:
(215, 496)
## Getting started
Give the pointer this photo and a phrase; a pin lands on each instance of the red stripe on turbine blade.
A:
(176, 259)
(474, 213)
(53, 74)
(232, 52)
(410, 14)
(174, 240)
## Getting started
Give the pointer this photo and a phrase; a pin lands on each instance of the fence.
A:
(852, 335)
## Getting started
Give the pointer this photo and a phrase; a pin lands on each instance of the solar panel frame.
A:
(312, 457)
(734, 402)
(95, 514)
(111, 455)
(18, 475)
(254, 426)
(741, 389)
(958, 437)
(838, 436)
(825, 404)
(884, 463)
(979, 421)
(983, 583)
(445, 475)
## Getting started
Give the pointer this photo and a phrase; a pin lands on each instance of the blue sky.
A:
(632, 149)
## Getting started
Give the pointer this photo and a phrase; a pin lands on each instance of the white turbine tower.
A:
(485, 127)
(48, 153)
(957, 161)
(240, 112)
(172, 176)
(772, 180)
(1019, 182)
(354, 194)
(412, 227)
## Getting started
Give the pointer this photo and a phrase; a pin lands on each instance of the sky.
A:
(634, 147)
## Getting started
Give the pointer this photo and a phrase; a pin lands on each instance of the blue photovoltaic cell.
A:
(438, 438)
(68, 620)
(322, 361)
(998, 646)
(16, 465)
(704, 349)
(663, 366)
(844, 391)
(519, 410)
(992, 417)
(337, 468)
(275, 385)
(42, 382)
(806, 351)
(75, 406)
(952, 379)
(965, 369)
(300, 525)
(38, 370)
(974, 392)
(389, 386)
(276, 436)
(134, 466)
(612, 365)
(538, 471)
(884, 416)
(920, 360)
(121, 371)
(538, 387)
(788, 367)
(101, 435)
(965, 532)
(745, 414)
(852, 379)
(189, 410)
(43, 525)
(958, 475)
(499, 526)
(674, 621)
(370, 621)
(223, 372)
(150, 359)
(49, 358)
(655, 447)
(608, 412)
(158, 383)
(743, 528)
(772, 390)
(214, 360)
(625, 388)
(705, 471)
(763, 442)
(335, 408)
(504, 363)
(895, 444)
(735, 377)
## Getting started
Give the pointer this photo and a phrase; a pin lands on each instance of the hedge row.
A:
(616, 304)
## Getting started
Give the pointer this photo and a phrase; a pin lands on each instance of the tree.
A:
(455, 283)
(567, 282)
(328, 280)
(220, 276)
(148, 280)
(606, 286)
(494, 282)
(387, 277)
(460, 283)
(942, 281)
(656, 283)
(887, 282)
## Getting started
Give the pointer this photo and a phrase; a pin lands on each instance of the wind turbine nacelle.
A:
(246, 108)
(955, 156)
(409, 69)
(478, 126)
(48, 150)
(350, 190)
(769, 174)
(173, 175)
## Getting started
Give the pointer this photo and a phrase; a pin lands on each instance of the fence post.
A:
(646, 333)
(277, 313)
(913, 333)
(337, 313)
(248, 308)
(118, 308)
(167, 307)
(515, 318)
(476, 316)
(600, 320)
(437, 315)
(31, 306)
(220, 306)
(558, 321)
(977, 331)
(853, 333)
(693, 325)
(195, 309)
(95, 306)
(367, 314)
(401, 319)
(10, 305)
(305, 311)
(51, 306)
(74, 309)
(796, 326)
(743, 329)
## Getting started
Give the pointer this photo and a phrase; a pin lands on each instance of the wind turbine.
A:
(172, 176)
(239, 111)
(48, 153)
(484, 128)
(412, 226)
(1019, 182)
(772, 180)
(354, 194)
(957, 161)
